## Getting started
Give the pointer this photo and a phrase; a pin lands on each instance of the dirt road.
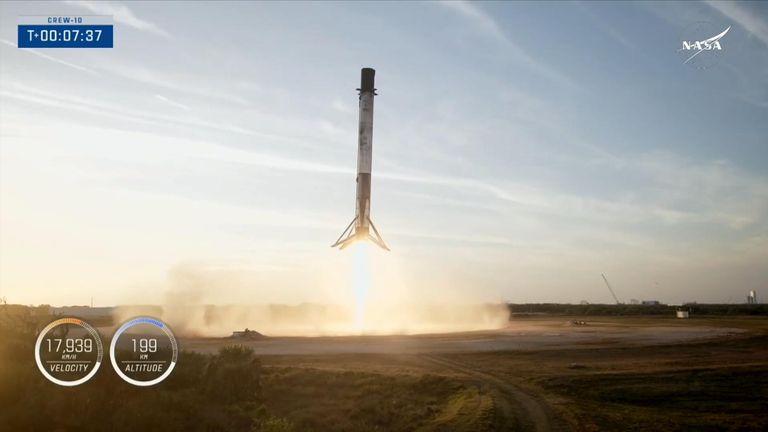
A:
(519, 408)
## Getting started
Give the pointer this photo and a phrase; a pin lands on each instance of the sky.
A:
(520, 150)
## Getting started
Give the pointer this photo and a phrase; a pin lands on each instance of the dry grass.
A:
(320, 400)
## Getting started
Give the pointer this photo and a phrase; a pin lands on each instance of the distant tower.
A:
(752, 297)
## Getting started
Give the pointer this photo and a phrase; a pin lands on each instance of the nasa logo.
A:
(702, 45)
(702, 37)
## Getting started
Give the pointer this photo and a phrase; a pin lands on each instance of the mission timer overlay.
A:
(86, 31)
(144, 351)
(68, 351)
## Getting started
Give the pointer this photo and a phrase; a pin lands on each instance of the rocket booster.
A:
(361, 226)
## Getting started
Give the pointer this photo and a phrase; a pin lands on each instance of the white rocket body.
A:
(361, 225)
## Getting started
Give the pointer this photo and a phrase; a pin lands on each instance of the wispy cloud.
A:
(172, 103)
(677, 191)
(50, 58)
(613, 32)
(121, 14)
(716, 192)
(275, 161)
(485, 22)
(478, 17)
(341, 106)
(746, 90)
(461, 239)
(750, 21)
(177, 83)
(331, 128)
(66, 102)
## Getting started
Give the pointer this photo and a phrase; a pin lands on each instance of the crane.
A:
(610, 289)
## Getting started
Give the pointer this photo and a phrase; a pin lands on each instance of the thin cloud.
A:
(70, 102)
(614, 33)
(32, 94)
(276, 162)
(491, 27)
(478, 17)
(341, 106)
(50, 58)
(746, 91)
(721, 193)
(725, 195)
(121, 14)
(172, 103)
(711, 181)
(479, 239)
(746, 19)
(179, 84)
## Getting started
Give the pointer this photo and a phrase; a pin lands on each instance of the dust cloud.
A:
(320, 319)
(186, 308)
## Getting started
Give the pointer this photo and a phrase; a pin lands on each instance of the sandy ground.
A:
(524, 334)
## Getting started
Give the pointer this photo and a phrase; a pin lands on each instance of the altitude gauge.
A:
(143, 351)
(68, 351)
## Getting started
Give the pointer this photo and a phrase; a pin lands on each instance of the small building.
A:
(651, 302)
(683, 313)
